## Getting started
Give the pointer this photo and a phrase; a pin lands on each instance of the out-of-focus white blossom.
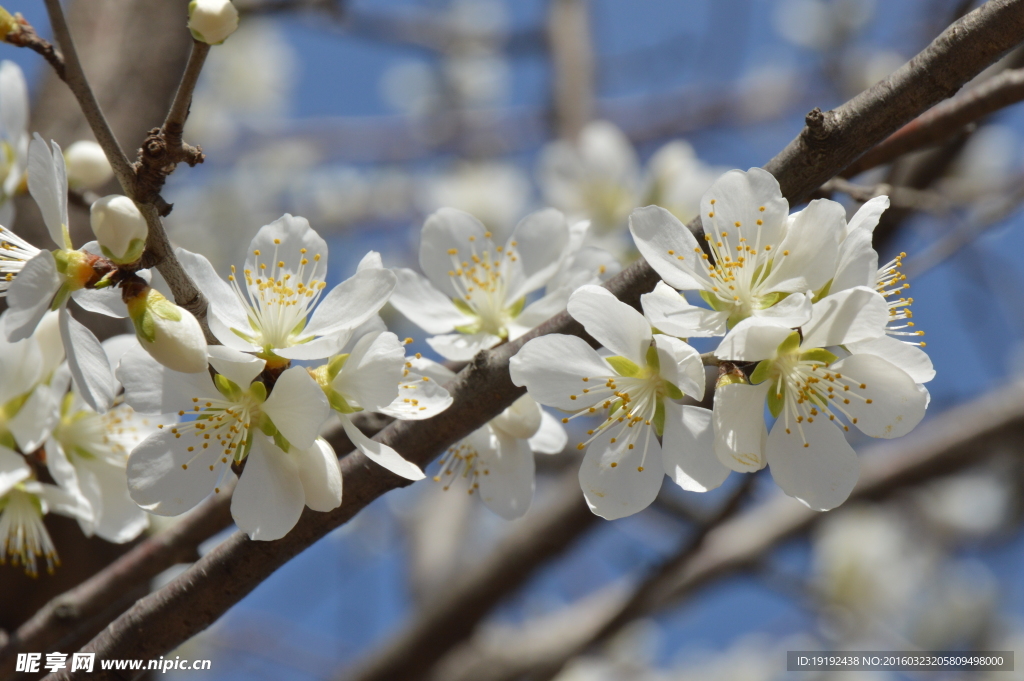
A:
(88, 167)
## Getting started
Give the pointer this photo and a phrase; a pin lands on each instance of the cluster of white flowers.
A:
(812, 329)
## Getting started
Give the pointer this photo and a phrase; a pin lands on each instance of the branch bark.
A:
(163, 620)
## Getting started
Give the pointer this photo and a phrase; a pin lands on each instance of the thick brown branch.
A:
(945, 120)
(193, 601)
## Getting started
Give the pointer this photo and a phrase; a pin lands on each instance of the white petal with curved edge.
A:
(807, 256)
(21, 366)
(372, 372)
(753, 339)
(88, 363)
(611, 322)
(51, 346)
(239, 367)
(740, 432)
(671, 313)
(460, 347)
(542, 242)
(222, 332)
(152, 388)
(424, 305)
(48, 184)
(431, 369)
(897, 404)
(791, 311)
(298, 407)
(551, 437)
(821, 475)
(224, 302)
(520, 420)
(381, 454)
(538, 312)
(158, 483)
(269, 497)
(849, 316)
(370, 261)
(858, 263)
(119, 519)
(57, 500)
(507, 487)
(319, 348)
(352, 302)
(14, 96)
(36, 418)
(115, 347)
(283, 240)
(30, 295)
(866, 218)
(669, 247)
(59, 466)
(738, 197)
(553, 368)
(681, 365)
(688, 449)
(622, 490)
(320, 474)
(444, 230)
(905, 356)
(418, 399)
(13, 469)
(104, 301)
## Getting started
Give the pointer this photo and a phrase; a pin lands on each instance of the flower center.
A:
(481, 282)
(461, 460)
(890, 282)
(22, 533)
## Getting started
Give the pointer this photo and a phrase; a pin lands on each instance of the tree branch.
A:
(945, 120)
(190, 603)
(24, 35)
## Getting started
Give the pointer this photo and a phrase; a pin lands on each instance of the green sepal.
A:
(818, 355)
(267, 426)
(469, 329)
(281, 442)
(762, 372)
(517, 307)
(653, 361)
(672, 391)
(659, 418)
(258, 390)
(764, 302)
(134, 252)
(243, 451)
(228, 388)
(335, 365)
(339, 404)
(63, 293)
(790, 345)
(623, 366)
(60, 257)
(65, 403)
(823, 292)
(83, 453)
(246, 338)
(14, 405)
(713, 301)
(776, 399)
(145, 326)
(7, 439)
(164, 308)
(105, 282)
(463, 307)
(299, 327)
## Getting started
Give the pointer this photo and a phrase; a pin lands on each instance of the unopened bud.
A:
(120, 228)
(8, 24)
(88, 167)
(730, 374)
(212, 21)
(170, 334)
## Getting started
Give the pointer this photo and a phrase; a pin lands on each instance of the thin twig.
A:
(24, 35)
(900, 197)
(190, 603)
(74, 76)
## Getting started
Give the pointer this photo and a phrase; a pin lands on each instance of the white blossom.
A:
(14, 137)
(637, 389)
(88, 167)
(212, 21)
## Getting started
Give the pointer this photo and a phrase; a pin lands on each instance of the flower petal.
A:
(849, 316)
(753, 339)
(551, 437)
(318, 348)
(740, 432)
(158, 483)
(352, 302)
(224, 302)
(21, 366)
(611, 322)
(520, 420)
(291, 240)
(88, 362)
(541, 243)
(443, 231)
(823, 473)
(36, 418)
(866, 218)
(553, 368)
(622, 490)
(269, 497)
(14, 95)
(905, 356)
(681, 365)
(152, 388)
(48, 184)
(890, 405)
(104, 301)
(671, 313)
(372, 372)
(507, 481)
(688, 448)
(30, 295)
(424, 305)
(738, 197)
(13, 469)
(298, 407)
(239, 367)
(858, 262)
(418, 398)
(460, 347)
(791, 311)
(670, 248)
(118, 518)
(320, 474)
(381, 454)
(806, 258)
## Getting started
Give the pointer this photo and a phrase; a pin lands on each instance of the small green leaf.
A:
(623, 366)
(653, 361)
(672, 391)
(228, 388)
(659, 418)
(776, 399)
(762, 372)
(258, 391)
(790, 345)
